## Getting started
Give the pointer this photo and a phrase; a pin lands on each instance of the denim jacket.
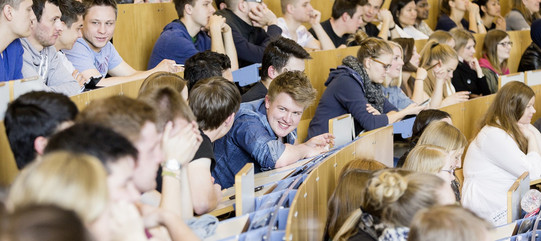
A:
(251, 139)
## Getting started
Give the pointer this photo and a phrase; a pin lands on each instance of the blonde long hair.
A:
(426, 158)
(431, 54)
(444, 135)
(72, 181)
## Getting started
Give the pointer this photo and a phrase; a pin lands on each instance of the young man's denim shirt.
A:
(251, 139)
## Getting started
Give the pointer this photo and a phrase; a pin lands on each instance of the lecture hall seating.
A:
(308, 209)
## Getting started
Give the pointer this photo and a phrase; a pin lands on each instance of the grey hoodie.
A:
(54, 75)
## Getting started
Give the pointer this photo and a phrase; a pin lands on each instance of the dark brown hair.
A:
(213, 100)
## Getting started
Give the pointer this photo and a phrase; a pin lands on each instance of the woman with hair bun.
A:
(391, 199)
(506, 146)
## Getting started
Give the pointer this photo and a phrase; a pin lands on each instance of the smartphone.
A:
(425, 102)
(91, 84)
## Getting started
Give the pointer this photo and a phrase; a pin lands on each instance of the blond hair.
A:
(160, 79)
(426, 158)
(461, 37)
(448, 223)
(440, 36)
(396, 81)
(432, 53)
(295, 84)
(444, 135)
(75, 182)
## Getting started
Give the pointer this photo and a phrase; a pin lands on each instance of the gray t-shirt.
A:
(515, 21)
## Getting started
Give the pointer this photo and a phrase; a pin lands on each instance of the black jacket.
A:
(531, 58)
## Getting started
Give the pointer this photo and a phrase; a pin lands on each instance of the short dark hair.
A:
(424, 118)
(39, 5)
(71, 10)
(32, 115)
(278, 52)
(204, 65)
(108, 3)
(95, 140)
(339, 7)
(213, 100)
(180, 4)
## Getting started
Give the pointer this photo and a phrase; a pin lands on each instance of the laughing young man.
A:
(265, 131)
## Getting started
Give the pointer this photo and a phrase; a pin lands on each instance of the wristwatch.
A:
(171, 168)
(172, 164)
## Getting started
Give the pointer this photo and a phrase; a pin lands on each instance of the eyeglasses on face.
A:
(385, 66)
(506, 44)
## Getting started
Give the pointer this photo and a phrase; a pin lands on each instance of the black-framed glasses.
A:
(385, 66)
(506, 44)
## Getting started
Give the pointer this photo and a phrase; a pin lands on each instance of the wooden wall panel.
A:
(138, 27)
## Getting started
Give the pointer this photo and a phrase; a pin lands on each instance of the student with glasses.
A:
(531, 58)
(496, 50)
(433, 159)
(356, 87)
(444, 135)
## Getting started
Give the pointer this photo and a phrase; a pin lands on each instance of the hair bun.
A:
(386, 188)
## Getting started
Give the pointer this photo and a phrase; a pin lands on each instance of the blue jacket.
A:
(251, 139)
(176, 43)
(345, 94)
(11, 62)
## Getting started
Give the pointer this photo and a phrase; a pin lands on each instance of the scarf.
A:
(372, 91)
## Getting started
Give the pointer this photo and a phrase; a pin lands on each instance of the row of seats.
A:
(317, 70)
(139, 25)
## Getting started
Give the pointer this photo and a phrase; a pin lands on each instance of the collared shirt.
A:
(251, 139)
(303, 36)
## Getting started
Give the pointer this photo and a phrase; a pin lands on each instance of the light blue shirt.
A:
(84, 58)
